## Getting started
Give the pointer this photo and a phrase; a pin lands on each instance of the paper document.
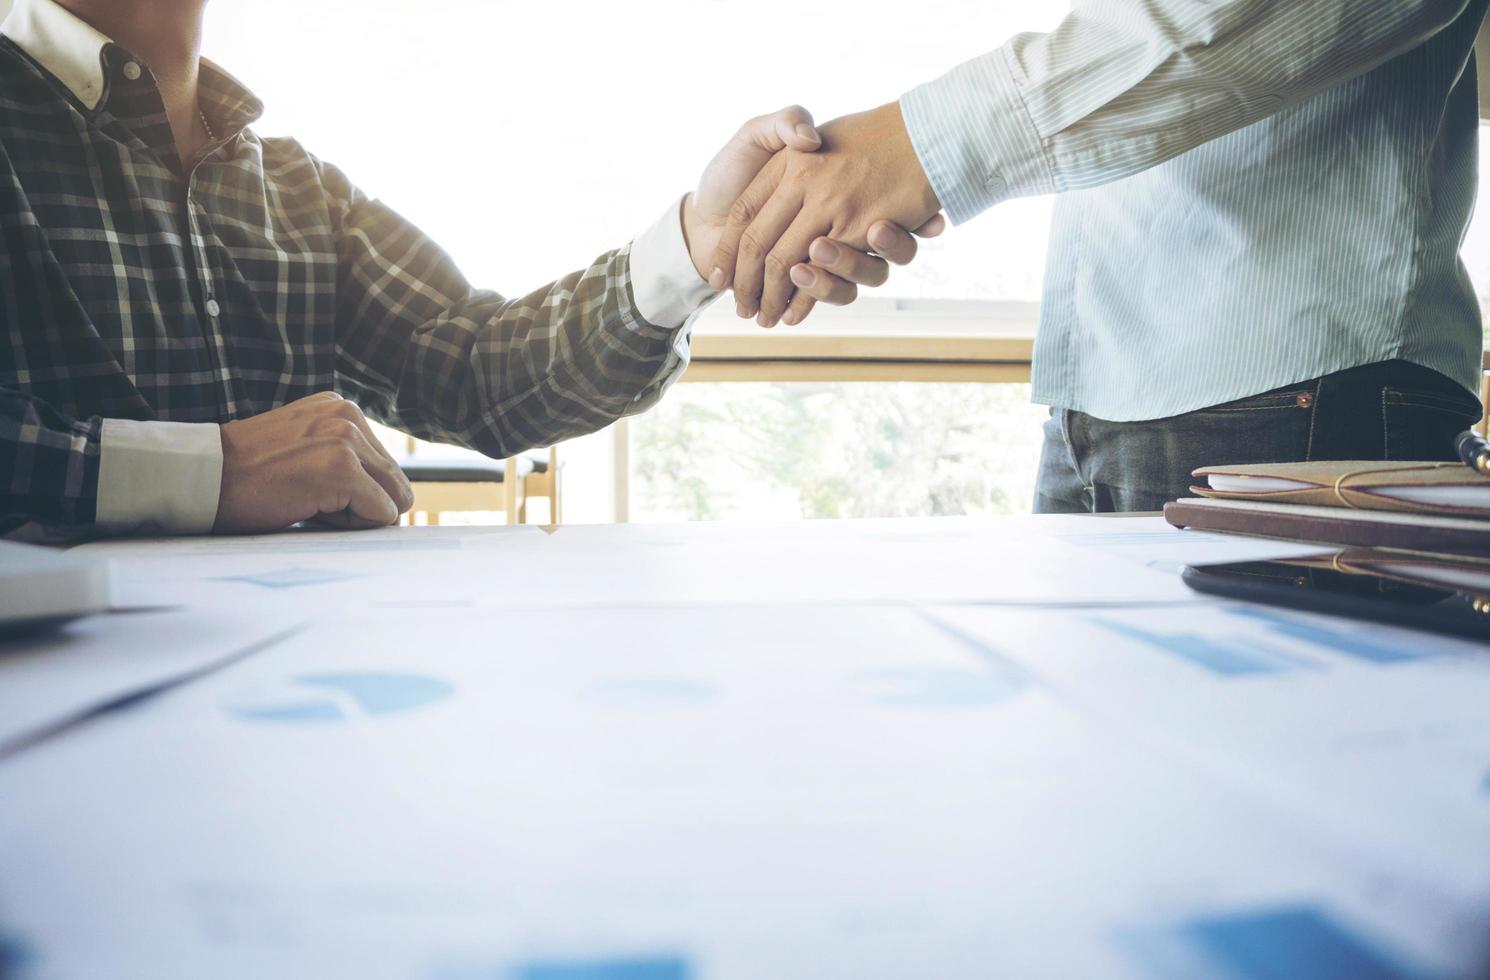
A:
(55, 678)
(1153, 543)
(1377, 730)
(1454, 495)
(694, 793)
(1029, 561)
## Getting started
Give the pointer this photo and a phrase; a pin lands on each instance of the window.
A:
(780, 451)
(528, 137)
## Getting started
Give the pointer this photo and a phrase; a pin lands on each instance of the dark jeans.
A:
(1390, 410)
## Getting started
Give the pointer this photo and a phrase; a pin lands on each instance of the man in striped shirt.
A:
(196, 318)
(1255, 252)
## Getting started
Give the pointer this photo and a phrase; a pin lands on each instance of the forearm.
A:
(1119, 87)
(566, 360)
(502, 375)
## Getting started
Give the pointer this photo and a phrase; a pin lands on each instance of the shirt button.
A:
(131, 71)
(996, 184)
(212, 308)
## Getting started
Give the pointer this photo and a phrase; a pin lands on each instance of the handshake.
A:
(789, 215)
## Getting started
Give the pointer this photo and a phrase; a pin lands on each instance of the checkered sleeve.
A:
(420, 349)
(50, 464)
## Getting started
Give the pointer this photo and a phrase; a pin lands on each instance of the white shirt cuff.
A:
(160, 476)
(665, 285)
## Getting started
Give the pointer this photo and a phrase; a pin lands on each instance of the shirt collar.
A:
(62, 44)
(75, 53)
(227, 101)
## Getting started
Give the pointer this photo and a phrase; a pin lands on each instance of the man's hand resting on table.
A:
(313, 459)
(863, 176)
(834, 271)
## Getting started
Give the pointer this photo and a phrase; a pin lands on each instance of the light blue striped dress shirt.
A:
(1253, 192)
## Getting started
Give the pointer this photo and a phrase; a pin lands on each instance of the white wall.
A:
(4, 7)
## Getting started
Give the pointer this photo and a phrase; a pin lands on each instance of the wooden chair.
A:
(477, 483)
(1484, 425)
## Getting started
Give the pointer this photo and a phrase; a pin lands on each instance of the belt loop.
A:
(1313, 410)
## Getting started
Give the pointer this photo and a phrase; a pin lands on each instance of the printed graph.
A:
(1266, 642)
(290, 578)
(1293, 942)
(628, 968)
(948, 688)
(343, 697)
(1290, 942)
(1223, 656)
(1340, 639)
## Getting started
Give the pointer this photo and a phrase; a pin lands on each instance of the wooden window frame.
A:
(875, 340)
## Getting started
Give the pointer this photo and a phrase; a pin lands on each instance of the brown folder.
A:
(1357, 484)
(1335, 526)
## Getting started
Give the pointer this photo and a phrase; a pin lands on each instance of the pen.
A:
(1474, 449)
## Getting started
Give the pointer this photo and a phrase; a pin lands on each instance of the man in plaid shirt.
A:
(196, 318)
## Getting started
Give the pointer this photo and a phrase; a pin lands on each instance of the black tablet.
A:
(1445, 595)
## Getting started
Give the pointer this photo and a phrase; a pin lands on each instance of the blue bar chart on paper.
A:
(1262, 642)
(1225, 657)
(1265, 943)
(1351, 643)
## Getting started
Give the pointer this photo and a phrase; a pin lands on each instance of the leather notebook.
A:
(1467, 536)
(1409, 487)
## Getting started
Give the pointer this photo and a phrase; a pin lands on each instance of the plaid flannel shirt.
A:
(135, 297)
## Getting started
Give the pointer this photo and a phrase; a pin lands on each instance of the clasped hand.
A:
(794, 216)
(855, 190)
